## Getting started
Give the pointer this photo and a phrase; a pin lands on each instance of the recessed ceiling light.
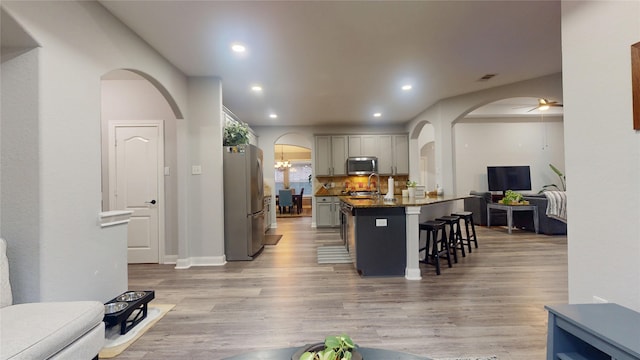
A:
(256, 88)
(377, 114)
(239, 48)
(407, 87)
(273, 116)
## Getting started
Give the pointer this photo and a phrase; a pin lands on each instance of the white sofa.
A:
(47, 330)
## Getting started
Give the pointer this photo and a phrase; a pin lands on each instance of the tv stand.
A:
(592, 331)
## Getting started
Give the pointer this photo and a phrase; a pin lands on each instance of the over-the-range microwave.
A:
(362, 165)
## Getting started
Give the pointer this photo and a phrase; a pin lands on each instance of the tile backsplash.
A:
(360, 183)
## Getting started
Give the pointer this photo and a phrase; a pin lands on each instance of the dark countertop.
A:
(399, 201)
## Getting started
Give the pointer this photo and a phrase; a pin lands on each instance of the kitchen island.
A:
(383, 236)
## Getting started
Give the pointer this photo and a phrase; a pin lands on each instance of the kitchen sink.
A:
(363, 193)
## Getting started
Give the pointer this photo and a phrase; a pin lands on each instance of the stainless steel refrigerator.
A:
(243, 202)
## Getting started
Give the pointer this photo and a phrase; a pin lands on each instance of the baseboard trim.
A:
(200, 261)
(170, 259)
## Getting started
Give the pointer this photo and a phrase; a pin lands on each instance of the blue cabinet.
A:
(593, 332)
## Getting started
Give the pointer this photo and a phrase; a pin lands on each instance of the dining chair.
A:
(299, 201)
(285, 200)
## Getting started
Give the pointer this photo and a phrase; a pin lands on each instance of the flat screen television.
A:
(503, 178)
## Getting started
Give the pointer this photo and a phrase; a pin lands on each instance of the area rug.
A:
(333, 254)
(272, 239)
(115, 343)
(306, 212)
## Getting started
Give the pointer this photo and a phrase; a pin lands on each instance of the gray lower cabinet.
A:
(593, 331)
(327, 211)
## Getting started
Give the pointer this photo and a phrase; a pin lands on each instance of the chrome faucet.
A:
(377, 182)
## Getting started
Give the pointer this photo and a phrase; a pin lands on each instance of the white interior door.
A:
(136, 183)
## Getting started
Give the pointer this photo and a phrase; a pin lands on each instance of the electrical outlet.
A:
(381, 222)
(196, 170)
(599, 300)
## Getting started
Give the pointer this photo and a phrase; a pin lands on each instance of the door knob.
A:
(152, 202)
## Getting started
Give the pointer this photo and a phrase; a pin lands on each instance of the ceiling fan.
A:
(544, 104)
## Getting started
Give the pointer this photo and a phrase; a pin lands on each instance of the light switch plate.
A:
(381, 222)
(196, 170)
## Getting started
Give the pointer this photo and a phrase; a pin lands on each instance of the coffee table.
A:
(367, 354)
(510, 209)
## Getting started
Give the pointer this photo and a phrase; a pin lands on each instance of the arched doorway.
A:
(293, 172)
(428, 165)
(138, 122)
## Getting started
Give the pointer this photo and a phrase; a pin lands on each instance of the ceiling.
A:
(339, 62)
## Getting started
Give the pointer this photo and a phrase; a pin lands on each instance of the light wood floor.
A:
(490, 303)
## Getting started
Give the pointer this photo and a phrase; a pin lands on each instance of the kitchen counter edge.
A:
(399, 201)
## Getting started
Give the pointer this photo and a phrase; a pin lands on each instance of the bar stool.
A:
(455, 235)
(435, 246)
(467, 216)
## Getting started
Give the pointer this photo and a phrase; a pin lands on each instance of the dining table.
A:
(297, 200)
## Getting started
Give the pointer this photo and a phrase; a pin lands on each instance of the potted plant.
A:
(513, 198)
(339, 347)
(235, 133)
(411, 187)
(563, 185)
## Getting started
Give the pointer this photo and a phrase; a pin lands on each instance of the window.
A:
(298, 176)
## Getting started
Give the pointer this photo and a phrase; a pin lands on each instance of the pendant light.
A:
(282, 165)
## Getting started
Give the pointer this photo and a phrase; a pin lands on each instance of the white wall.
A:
(80, 42)
(205, 210)
(446, 112)
(19, 170)
(479, 143)
(602, 151)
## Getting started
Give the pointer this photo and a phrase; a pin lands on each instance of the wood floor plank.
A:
(489, 303)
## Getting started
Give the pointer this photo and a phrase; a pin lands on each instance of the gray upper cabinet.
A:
(400, 144)
(332, 151)
(331, 155)
(393, 156)
(363, 145)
